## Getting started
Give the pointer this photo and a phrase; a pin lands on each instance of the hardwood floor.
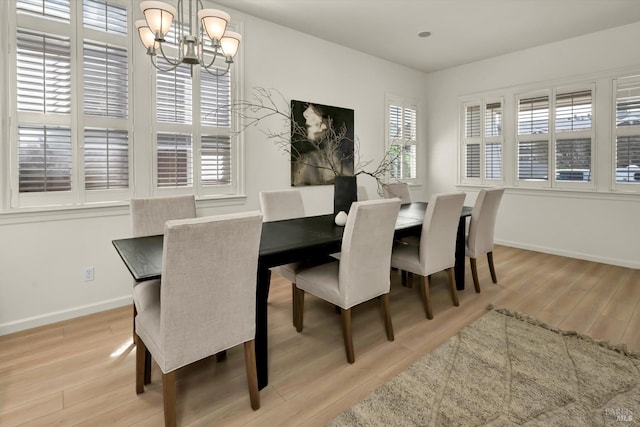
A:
(81, 372)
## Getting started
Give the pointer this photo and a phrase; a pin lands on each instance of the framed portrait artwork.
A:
(321, 143)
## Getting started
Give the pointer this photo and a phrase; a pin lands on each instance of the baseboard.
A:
(58, 316)
(628, 263)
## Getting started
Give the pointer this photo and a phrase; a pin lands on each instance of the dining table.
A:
(283, 242)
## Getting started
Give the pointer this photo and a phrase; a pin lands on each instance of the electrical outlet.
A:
(89, 273)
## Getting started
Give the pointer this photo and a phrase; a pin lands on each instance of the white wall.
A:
(42, 256)
(598, 226)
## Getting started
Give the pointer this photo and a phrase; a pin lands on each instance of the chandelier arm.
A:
(215, 55)
(172, 66)
(216, 74)
(169, 61)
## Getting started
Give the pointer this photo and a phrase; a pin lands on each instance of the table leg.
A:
(261, 341)
(460, 253)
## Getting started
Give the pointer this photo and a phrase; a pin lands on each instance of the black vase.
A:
(345, 192)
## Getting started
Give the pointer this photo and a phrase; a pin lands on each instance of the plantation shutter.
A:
(627, 148)
(44, 158)
(59, 9)
(216, 160)
(101, 15)
(473, 140)
(215, 99)
(493, 140)
(173, 94)
(175, 160)
(573, 136)
(106, 159)
(43, 73)
(105, 80)
(403, 141)
(533, 138)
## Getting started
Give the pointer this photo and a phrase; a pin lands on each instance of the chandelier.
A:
(192, 46)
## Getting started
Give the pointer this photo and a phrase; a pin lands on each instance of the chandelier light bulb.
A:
(147, 37)
(230, 42)
(159, 17)
(214, 22)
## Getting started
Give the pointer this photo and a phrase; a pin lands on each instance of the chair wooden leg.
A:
(140, 365)
(147, 367)
(298, 305)
(426, 301)
(384, 299)
(491, 267)
(169, 398)
(252, 374)
(135, 312)
(452, 285)
(346, 334)
(293, 303)
(474, 273)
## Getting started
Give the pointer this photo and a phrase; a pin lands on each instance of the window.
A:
(482, 141)
(71, 113)
(533, 138)
(555, 135)
(71, 135)
(627, 134)
(573, 136)
(402, 138)
(193, 122)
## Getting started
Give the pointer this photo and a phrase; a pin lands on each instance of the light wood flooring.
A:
(81, 372)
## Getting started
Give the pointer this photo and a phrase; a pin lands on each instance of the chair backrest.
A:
(397, 189)
(483, 221)
(281, 204)
(365, 260)
(363, 194)
(208, 290)
(439, 229)
(148, 215)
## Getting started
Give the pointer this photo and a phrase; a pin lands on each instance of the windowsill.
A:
(94, 210)
(561, 192)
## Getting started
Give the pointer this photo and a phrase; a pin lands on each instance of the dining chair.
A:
(397, 189)
(361, 273)
(363, 194)
(437, 247)
(481, 230)
(148, 217)
(279, 205)
(207, 299)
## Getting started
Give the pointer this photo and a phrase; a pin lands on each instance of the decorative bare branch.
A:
(270, 105)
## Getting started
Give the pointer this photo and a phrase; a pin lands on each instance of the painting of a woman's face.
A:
(315, 124)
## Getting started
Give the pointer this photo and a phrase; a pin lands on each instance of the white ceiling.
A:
(462, 30)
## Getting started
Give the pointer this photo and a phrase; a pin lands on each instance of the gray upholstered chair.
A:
(207, 299)
(363, 194)
(280, 205)
(437, 248)
(481, 230)
(361, 274)
(397, 189)
(148, 216)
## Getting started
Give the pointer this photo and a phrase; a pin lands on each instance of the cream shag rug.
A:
(505, 370)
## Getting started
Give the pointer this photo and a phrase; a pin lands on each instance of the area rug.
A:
(506, 369)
